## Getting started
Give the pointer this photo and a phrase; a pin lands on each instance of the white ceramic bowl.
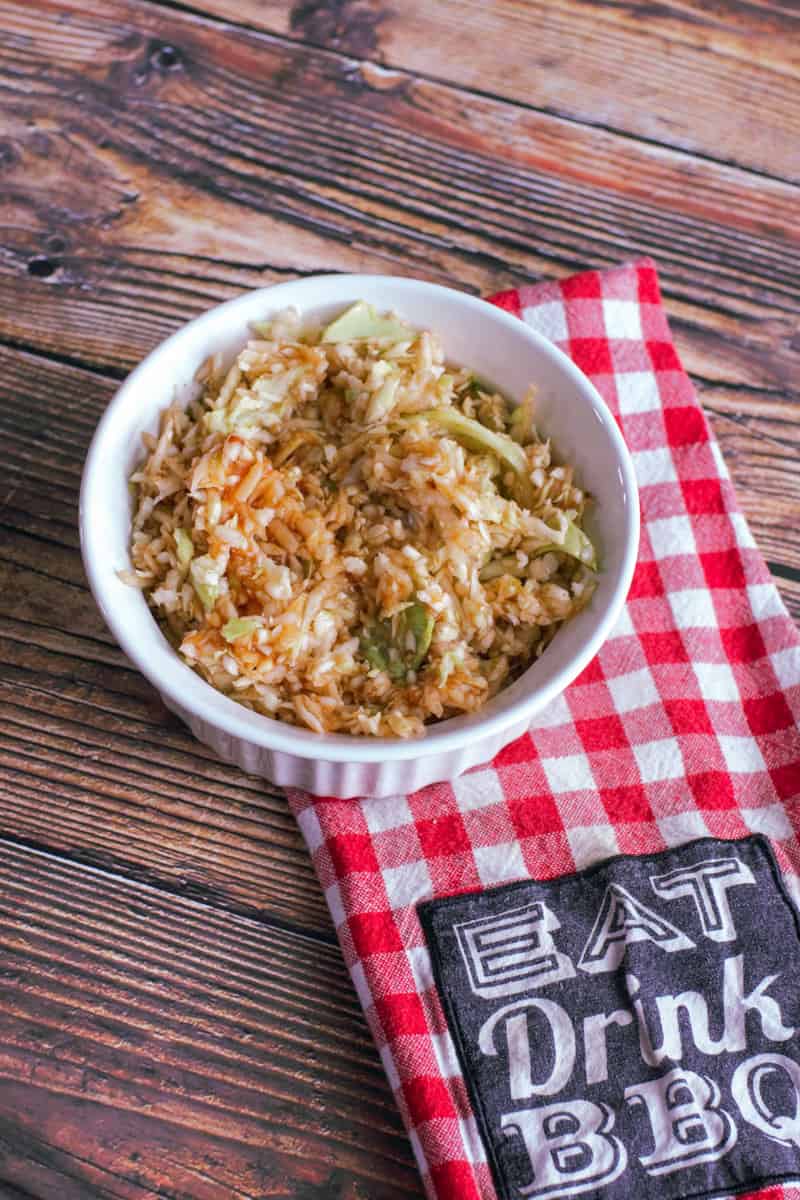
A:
(499, 348)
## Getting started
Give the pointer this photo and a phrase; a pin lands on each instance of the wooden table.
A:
(175, 1019)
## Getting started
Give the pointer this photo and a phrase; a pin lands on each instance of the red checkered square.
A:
(518, 751)
(647, 288)
(786, 780)
(510, 301)
(602, 733)
(428, 1097)
(628, 804)
(535, 815)
(685, 426)
(646, 581)
(666, 647)
(683, 726)
(444, 835)
(723, 569)
(454, 873)
(689, 716)
(351, 852)
(743, 644)
(591, 354)
(587, 286)
(401, 1014)
(591, 673)
(704, 496)
(663, 356)
(712, 789)
(456, 1179)
(374, 933)
(765, 714)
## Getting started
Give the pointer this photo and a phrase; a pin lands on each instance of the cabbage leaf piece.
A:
(403, 649)
(361, 321)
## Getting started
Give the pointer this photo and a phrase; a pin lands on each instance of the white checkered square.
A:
(632, 691)
(478, 790)
(742, 755)
(717, 681)
(419, 1153)
(549, 319)
(333, 898)
(498, 864)
(571, 773)
(637, 392)
(360, 984)
(624, 625)
(468, 1127)
(682, 827)
(765, 601)
(693, 608)
(387, 1058)
(388, 812)
(659, 760)
(622, 319)
(592, 843)
(786, 665)
(445, 1053)
(310, 828)
(407, 884)
(419, 960)
(771, 820)
(671, 535)
(719, 461)
(553, 714)
(654, 466)
(742, 530)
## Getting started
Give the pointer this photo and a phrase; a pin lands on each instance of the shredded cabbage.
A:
(205, 573)
(576, 545)
(240, 627)
(477, 437)
(185, 547)
(361, 321)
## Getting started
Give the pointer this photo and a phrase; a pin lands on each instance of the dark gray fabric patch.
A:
(632, 1030)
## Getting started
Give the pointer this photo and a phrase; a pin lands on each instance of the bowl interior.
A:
(500, 349)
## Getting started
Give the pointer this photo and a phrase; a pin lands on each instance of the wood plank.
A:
(719, 79)
(760, 440)
(122, 785)
(12, 1193)
(150, 1045)
(247, 158)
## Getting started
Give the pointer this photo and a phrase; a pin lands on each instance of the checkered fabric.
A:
(685, 724)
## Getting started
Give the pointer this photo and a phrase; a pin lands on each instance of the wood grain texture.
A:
(718, 80)
(247, 157)
(148, 1042)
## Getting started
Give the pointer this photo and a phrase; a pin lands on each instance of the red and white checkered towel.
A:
(685, 724)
